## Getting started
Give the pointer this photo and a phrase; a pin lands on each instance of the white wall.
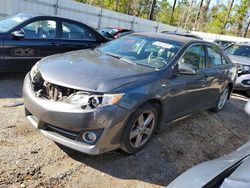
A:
(212, 37)
(95, 17)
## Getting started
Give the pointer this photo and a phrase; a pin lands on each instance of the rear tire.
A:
(139, 129)
(222, 100)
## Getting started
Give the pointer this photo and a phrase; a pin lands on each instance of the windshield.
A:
(238, 50)
(142, 50)
(11, 22)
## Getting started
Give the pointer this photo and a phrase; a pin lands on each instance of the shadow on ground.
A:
(11, 85)
(178, 146)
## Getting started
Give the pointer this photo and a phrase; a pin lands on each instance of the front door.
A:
(39, 40)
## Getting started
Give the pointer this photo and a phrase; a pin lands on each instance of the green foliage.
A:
(211, 17)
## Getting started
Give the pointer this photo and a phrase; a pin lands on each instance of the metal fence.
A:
(93, 16)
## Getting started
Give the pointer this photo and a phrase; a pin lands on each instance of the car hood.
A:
(90, 70)
(240, 60)
(212, 171)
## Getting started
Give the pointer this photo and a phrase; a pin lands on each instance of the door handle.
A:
(91, 45)
(205, 79)
(54, 44)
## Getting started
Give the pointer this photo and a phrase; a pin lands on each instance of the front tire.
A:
(222, 100)
(139, 129)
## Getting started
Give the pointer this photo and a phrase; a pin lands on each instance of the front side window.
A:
(45, 29)
(214, 57)
(239, 50)
(195, 56)
(142, 50)
(76, 32)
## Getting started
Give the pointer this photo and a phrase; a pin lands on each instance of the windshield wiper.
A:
(113, 55)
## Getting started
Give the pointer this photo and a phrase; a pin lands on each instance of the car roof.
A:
(244, 43)
(33, 15)
(177, 38)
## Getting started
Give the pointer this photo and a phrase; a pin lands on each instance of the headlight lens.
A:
(83, 100)
(246, 68)
(243, 68)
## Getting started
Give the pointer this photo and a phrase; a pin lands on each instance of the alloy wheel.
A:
(142, 129)
(223, 99)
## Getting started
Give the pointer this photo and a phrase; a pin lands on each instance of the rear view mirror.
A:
(187, 69)
(18, 34)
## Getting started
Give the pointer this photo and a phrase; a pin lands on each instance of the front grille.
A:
(50, 91)
(66, 133)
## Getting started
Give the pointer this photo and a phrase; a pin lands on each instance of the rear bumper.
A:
(243, 82)
(66, 123)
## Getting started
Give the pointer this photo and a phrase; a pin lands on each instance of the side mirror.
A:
(107, 35)
(18, 34)
(187, 69)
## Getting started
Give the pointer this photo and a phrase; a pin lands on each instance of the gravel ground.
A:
(27, 159)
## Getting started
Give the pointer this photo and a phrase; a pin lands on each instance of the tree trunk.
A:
(198, 16)
(172, 13)
(246, 30)
(152, 9)
(228, 14)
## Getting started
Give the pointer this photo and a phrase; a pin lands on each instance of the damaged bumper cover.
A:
(66, 123)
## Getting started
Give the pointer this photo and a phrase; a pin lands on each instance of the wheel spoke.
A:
(148, 120)
(147, 131)
(141, 120)
(134, 133)
(138, 140)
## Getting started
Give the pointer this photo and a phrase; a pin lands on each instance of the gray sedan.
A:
(116, 96)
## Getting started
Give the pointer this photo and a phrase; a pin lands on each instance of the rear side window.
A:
(214, 57)
(195, 56)
(76, 32)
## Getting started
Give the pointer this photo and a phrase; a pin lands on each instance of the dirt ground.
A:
(27, 159)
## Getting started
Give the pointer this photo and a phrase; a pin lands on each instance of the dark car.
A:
(223, 43)
(26, 38)
(114, 33)
(240, 55)
(116, 95)
(182, 34)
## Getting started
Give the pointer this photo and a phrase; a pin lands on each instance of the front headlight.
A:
(83, 100)
(33, 72)
(243, 68)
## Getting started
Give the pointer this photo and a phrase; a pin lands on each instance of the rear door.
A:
(185, 91)
(214, 74)
(40, 40)
(76, 36)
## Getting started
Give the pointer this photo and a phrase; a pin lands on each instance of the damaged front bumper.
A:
(243, 82)
(66, 123)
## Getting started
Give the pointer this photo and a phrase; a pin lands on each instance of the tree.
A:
(152, 9)
(227, 16)
(247, 28)
(198, 15)
(172, 13)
